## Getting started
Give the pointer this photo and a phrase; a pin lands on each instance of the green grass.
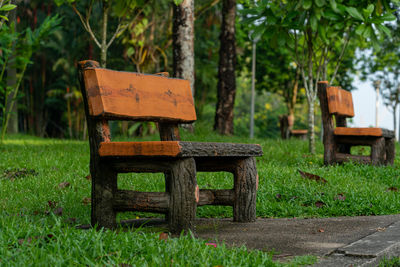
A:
(35, 236)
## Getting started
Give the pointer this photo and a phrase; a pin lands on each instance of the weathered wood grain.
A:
(245, 188)
(340, 102)
(126, 200)
(134, 96)
(327, 121)
(378, 151)
(177, 149)
(358, 131)
(104, 178)
(183, 184)
(390, 150)
(341, 157)
(223, 197)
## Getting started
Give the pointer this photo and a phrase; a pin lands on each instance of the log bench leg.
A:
(182, 185)
(390, 150)
(104, 186)
(378, 150)
(245, 190)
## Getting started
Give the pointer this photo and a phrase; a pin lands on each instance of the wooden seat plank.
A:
(134, 96)
(177, 149)
(363, 132)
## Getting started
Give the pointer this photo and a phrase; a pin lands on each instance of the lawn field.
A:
(44, 191)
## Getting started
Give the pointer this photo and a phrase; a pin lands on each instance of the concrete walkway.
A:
(341, 241)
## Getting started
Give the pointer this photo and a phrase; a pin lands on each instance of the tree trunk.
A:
(395, 120)
(311, 130)
(226, 70)
(183, 44)
(103, 55)
(12, 126)
(183, 41)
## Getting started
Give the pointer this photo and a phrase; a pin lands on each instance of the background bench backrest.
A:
(340, 102)
(117, 95)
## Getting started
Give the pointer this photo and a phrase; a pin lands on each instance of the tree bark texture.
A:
(226, 70)
(183, 41)
(183, 184)
(245, 187)
(327, 121)
(103, 49)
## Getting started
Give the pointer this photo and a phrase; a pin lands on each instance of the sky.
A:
(364, 107)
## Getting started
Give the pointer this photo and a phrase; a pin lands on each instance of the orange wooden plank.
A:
(299, 131)
(151, 148)
(340, 102)
(135, 96)
(358, 131)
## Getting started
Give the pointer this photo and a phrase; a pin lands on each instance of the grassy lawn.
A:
(39, 211)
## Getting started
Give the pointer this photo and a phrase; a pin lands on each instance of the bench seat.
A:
(177, 149)
(378, 132)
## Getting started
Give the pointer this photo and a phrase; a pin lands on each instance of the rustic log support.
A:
(104, 186)
(127, 200)
(223, 197)
(182, 210)
(390, 150)
(245, 188)
(378, 152)
(327, 120)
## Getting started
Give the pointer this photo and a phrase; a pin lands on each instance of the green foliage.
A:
(26, 43)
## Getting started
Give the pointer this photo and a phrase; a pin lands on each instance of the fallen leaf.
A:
(86, 201)
(22, 241)
(163, 236)
(392, 188)
(321, 230)
(18, 173)
(211, 244)
(381, 229)
(278, 196)
(319, 204)
(340, 197)
(311, 176)
(58, 211)
(52, 204)
(64, 185)
(88, 177)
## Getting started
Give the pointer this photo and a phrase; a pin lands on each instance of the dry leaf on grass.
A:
(163, 236)
(340, 197)
(58, 211)
(88, 177)
(86, 201)
(64, 185)
(319, 204)
(392, 188)
(311, 176)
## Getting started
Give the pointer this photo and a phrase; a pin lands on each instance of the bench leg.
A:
(104, 185)
(378, 151)
(390, 150)
(183, 184)
(245, 188)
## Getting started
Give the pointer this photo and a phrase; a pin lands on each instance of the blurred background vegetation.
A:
(42, 41)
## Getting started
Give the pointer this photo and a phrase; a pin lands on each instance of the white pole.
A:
(377, 84)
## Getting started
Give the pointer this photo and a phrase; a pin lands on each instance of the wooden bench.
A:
(287, 131)
(115, 95)
(339, 140)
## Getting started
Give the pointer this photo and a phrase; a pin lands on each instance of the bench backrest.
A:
(119, 95)
(340, 102)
